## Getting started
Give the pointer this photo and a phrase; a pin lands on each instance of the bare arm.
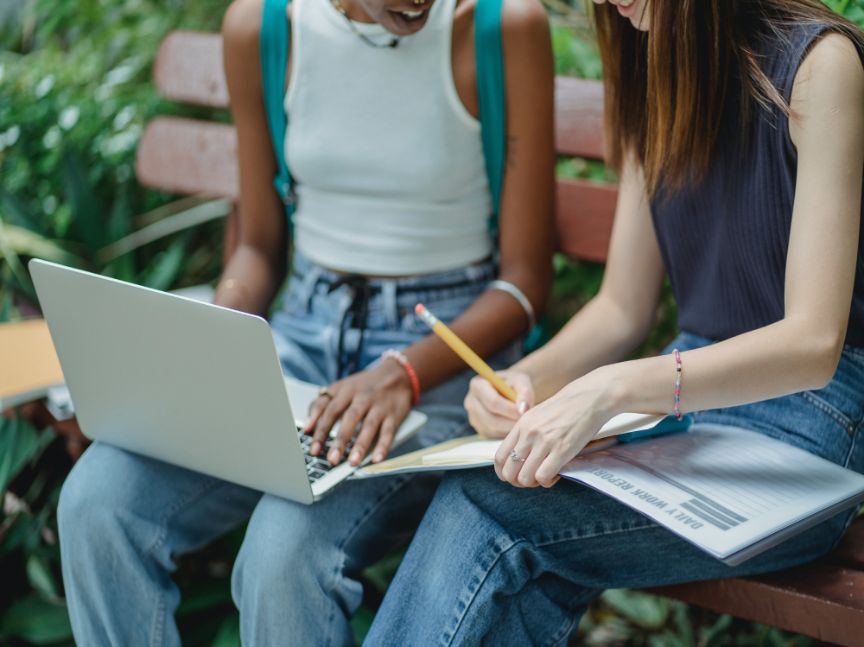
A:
(605, 330)
(619, 318)
(381, 395)
(797, 353)
(525, 241)
(257, 267)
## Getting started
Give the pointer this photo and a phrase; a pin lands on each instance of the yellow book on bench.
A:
(28, 363)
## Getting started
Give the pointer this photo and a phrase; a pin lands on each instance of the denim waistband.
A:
(366, 295)
(310, 273)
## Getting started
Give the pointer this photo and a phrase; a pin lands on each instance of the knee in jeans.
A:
(89, 504)
(78, 503)
(281, 546)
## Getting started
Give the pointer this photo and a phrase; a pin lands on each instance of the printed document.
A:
(733, 493)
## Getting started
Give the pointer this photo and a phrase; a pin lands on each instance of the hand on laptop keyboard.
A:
(376, 400)
(316, 466)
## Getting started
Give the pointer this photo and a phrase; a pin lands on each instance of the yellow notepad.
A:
(28, 363)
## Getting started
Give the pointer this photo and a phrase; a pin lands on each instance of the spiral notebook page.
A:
(725, 490)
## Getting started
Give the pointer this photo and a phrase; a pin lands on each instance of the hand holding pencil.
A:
(464, 351)
(492, 422)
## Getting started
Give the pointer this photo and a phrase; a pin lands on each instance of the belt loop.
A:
(390, 303)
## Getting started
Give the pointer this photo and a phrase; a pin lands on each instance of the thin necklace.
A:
(393, 42)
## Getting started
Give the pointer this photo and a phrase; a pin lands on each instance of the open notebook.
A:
(476, 451)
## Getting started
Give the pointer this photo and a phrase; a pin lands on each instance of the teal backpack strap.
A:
(491, 91)
(274, 40)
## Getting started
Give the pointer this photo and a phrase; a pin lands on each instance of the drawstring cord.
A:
(356, 315)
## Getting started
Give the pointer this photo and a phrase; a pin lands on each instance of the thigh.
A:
(167, 506)
(351, 528)
(596, 542)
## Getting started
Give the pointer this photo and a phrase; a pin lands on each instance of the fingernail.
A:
(315, 449)
(522, 407)
(333, 456)
(377, 458)
(355, 457)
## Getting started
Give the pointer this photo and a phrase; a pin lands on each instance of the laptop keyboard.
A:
(316, 466)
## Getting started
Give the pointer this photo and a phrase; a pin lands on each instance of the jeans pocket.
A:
(818, 400)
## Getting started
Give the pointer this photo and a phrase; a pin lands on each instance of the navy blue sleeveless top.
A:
(725, 241)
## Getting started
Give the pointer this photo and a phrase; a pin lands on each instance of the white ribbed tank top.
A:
(388, 164)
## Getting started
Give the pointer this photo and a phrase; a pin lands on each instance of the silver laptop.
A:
(189, 383)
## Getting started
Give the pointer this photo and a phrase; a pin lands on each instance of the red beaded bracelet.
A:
(400, 357)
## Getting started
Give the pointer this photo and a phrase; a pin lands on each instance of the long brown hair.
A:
(668, 90)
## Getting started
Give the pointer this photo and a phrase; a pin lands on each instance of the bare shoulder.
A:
(524, 19)
(832, 71)
(241, 26)
(828, 94)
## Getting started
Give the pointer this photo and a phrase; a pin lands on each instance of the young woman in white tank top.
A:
(393, 207)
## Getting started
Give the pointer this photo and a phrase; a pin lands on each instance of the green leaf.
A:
(166, 266)
(20, 444)
(36, 620)
(361, 623)
(40, 576)
(173, 224)
(15, 530)
(15, 213)
(8, 253)
(644, 610)
(229, 632)
(204, 596)
(87, 211)
(29, 243)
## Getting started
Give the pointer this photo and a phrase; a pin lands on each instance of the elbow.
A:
(534, 282)
(823, 351)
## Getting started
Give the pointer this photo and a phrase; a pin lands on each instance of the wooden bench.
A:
(824, 600)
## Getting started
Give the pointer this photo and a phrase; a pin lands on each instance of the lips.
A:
(627, 9)
(411, 20)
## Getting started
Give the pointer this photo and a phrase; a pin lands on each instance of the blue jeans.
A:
(124, 518)
(529, 561)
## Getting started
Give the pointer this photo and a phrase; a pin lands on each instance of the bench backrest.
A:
(195, 157)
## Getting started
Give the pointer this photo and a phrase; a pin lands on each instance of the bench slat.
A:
(193, 157)
(579, 117)
(584, 211)
(818, 600)
(189, 157)
(188, 69)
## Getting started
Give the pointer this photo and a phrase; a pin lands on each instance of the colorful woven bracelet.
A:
(678, 370)
(403, 361)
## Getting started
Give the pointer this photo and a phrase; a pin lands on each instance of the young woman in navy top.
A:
(738, 129)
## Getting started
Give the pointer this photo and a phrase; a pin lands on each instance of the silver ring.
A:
(516, 458)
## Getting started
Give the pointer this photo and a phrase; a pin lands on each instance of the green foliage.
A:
(75, 93)
(852, 9)
(637, 619)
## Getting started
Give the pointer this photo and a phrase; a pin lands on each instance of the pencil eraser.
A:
(419, 308)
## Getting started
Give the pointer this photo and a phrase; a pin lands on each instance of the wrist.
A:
(613, 389)
(402, 372)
